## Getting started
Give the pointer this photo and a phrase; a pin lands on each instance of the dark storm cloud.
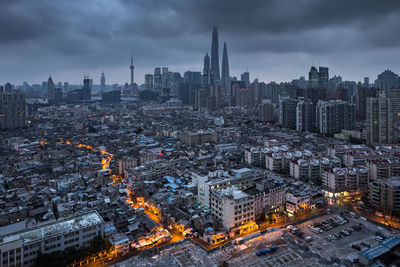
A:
(68, 37)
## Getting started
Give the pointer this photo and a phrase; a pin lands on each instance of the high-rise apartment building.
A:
(148, 82)
(383, 115)
(87, 88)
(235, 85)
(157, 80)
(316, 94)
(187, 90)
(8, 87)
(44, 87)
(192, 77)
(287, 113)
(176, 82)
(323, 77)
(12, 110)
(334, 82)
(267, 111)
(66, 86)
(362, 95)
(366, 82)
(305, 115)
(245, 77)
(384, 195)
(335, 115)
(313, 78)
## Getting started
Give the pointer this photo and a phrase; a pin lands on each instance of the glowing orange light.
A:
(105, 162)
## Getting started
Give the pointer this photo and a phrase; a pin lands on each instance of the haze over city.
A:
(274, 40)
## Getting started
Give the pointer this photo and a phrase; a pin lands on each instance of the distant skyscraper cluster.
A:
(203, 90)
(330, 106)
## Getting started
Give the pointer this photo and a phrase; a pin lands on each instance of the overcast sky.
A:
(276, 40)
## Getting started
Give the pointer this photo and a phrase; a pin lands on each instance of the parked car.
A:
(261, 252)
(294, 230)
(344, 232)
(264, 251)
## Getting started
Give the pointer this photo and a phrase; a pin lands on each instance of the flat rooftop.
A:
(54, 228)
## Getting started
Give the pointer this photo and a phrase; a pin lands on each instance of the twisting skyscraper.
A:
(214, 54)
(225, 79)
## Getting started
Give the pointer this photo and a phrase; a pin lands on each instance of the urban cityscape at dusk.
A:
(199, 133)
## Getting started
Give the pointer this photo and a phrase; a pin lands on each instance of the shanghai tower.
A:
(225, 71)
(214, 55)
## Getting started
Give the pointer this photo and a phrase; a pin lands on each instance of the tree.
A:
(99, 244)
(72, 254)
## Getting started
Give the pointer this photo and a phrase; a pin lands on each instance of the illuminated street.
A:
(150, 210)
(291, 249)
(153, 212)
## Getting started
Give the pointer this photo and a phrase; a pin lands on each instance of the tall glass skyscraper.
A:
(214, 54)
(225, 79)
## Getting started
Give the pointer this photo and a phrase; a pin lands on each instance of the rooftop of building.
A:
(392, 182)
(54, 228)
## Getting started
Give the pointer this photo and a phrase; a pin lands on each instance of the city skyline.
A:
(271, 47)
(199, 133)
